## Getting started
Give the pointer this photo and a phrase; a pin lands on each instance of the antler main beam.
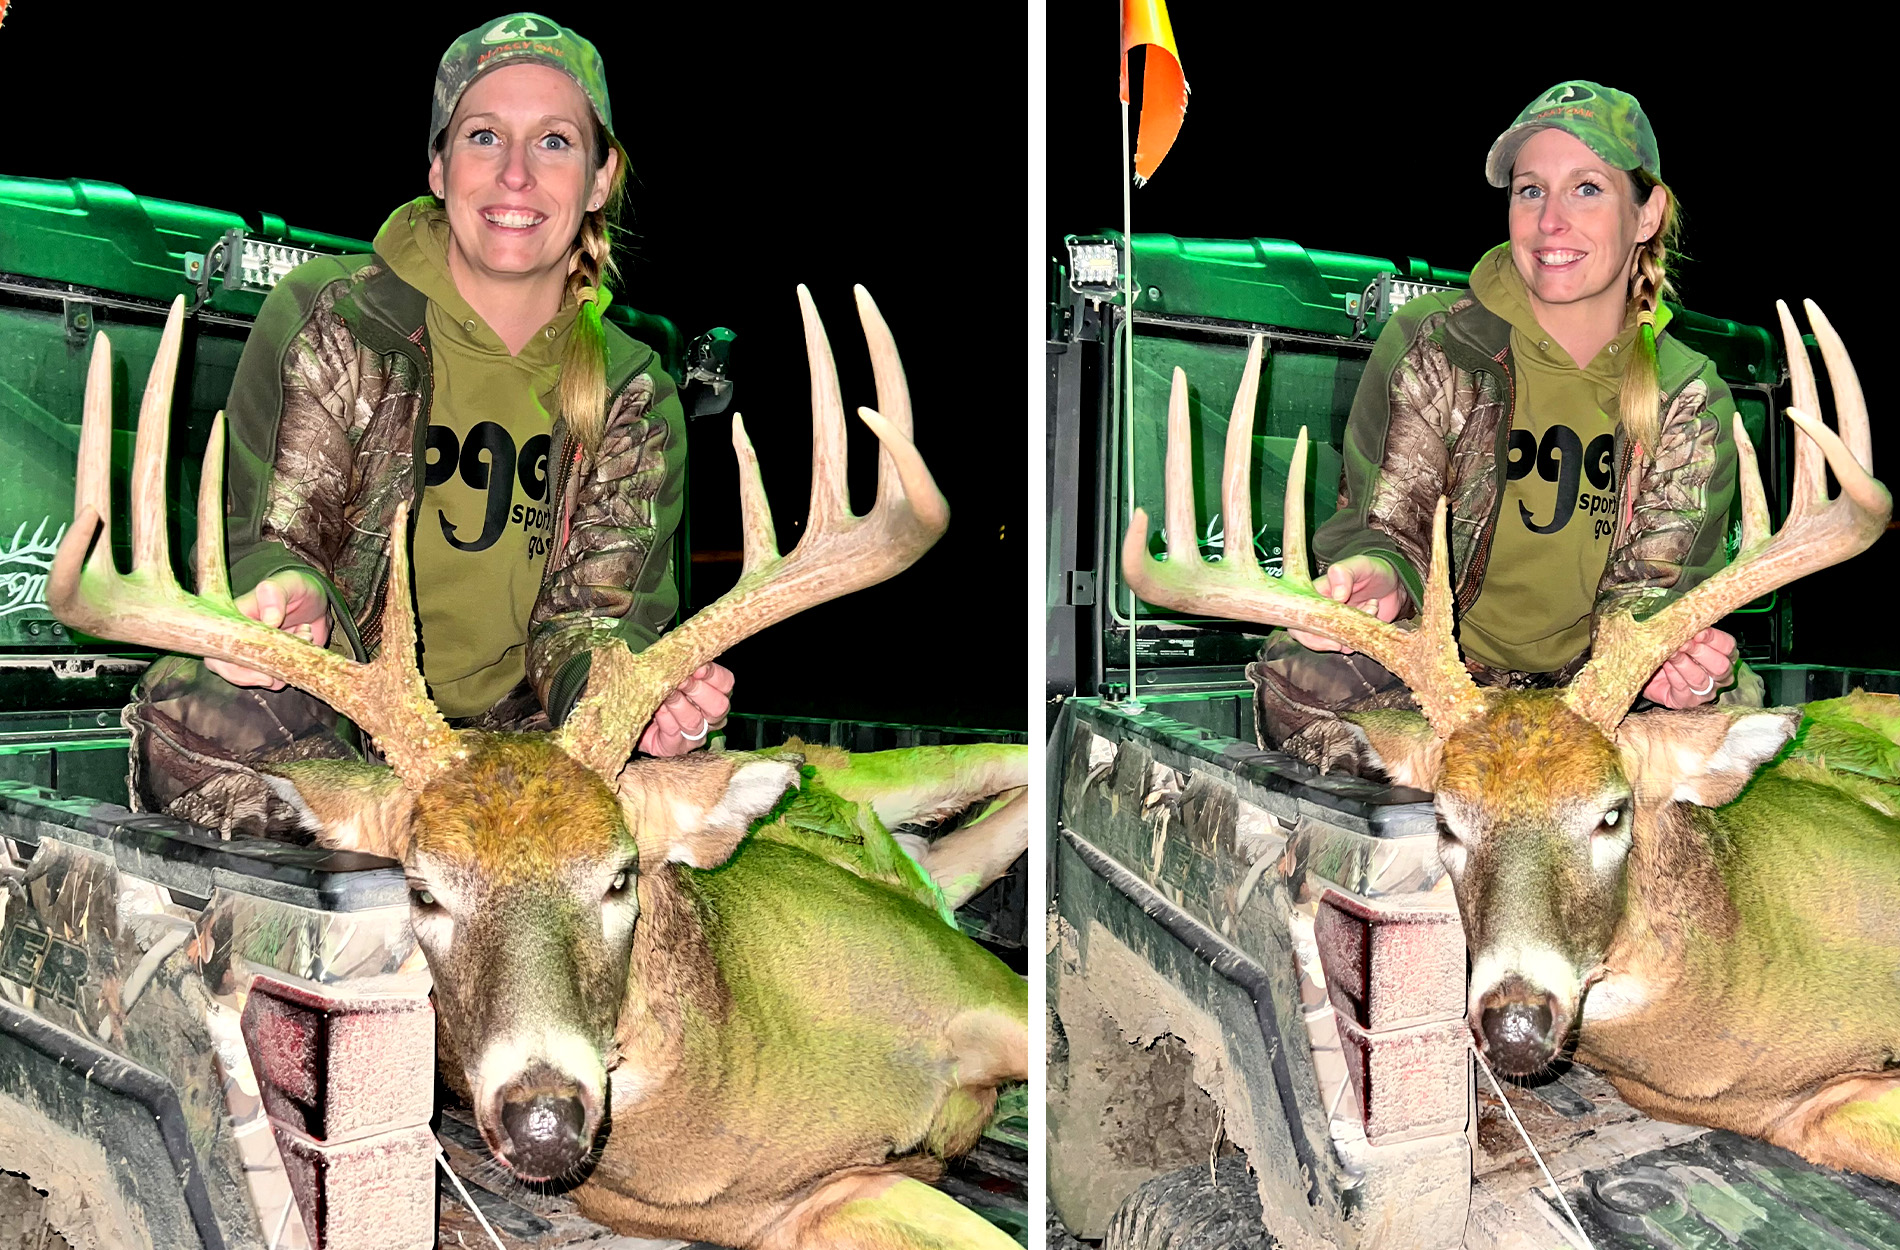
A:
(1425, 658)
(1817, 533)
(839, 552)
(147, 607)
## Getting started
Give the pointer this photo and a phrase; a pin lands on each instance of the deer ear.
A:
(349, 805)
(695, 809)
(1703, 755)
(1402, 744)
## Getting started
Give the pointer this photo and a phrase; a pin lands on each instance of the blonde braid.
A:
(1641, 401)
(584, 366)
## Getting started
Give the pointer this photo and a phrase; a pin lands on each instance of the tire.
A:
(1184, 1210)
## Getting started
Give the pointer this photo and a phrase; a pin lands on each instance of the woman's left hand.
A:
(1693, 675)
(688, 717)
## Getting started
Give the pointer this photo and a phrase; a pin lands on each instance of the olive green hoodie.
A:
(483, 527)
(1558, 521)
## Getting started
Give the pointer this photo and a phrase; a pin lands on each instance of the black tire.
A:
(1185, 1210)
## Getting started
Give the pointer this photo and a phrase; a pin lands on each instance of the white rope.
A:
(466, 1200)
(1574, 1223)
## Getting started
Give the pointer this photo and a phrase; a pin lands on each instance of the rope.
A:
(1518, 1125)
(466, 1200)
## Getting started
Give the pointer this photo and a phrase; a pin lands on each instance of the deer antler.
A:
(385, 698)
(1817, 533)
(1425, 658)
(839, 552)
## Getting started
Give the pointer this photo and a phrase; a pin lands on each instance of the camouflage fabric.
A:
(516, 38)
(328, 418)
(1609, 122)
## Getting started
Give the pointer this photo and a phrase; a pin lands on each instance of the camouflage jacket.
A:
(328, 423)
(1433, 417)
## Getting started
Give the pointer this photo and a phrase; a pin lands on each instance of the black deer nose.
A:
(1516, 1020)
(544, 1132)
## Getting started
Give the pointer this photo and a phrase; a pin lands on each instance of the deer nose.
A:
(1515, 1021)
(545, 1128)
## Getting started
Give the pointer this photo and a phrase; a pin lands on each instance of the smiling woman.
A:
(1619, 465)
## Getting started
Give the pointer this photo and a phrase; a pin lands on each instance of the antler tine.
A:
(1236, 497)
(893, 392)
(830, 493)
(147, 606)
(1183, 534)
(1426, 658)
(837, 554)
(1817, 533)
(150, 549)
(1808, 481)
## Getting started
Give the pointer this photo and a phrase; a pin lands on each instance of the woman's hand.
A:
(292, 601)
(690, 714)
(1692, 675)
(1366, 582)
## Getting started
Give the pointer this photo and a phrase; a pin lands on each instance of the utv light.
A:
(1389, 292)
(256, 265)
(1094, 266)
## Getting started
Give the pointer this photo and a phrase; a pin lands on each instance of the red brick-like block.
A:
(1411, 1082)
(1389, 963)
(373, 1193)
(338, 1066)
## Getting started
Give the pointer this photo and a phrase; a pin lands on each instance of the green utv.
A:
(1257, 973)
(208, 1043)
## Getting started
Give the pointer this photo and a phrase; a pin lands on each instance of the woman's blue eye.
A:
(556, 142)
(1530, 193)
(483, 138)
(1589, 189)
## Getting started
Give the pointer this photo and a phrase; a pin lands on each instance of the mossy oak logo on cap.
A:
(1567, 93)
(522, 26)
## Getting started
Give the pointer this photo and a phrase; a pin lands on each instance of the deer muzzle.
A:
(547, 1122)
(1518, 1026)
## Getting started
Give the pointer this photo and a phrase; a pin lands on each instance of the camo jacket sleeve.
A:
(1397, 456)
(612, 579)
(1677, 524)
(320, 444)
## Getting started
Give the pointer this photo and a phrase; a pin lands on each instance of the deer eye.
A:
(1611, 817)
(621, 881)
(422, 899)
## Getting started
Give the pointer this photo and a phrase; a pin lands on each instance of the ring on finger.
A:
(1704, 692)
(704, 726)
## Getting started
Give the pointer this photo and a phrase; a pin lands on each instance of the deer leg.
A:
(919, 784)
(1854, 1126)
(969, 858)
(883, 1212)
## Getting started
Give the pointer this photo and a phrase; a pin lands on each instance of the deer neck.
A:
(675, 999)
(1674, 902)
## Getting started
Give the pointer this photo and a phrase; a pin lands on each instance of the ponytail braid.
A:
(1641, 401)
(584, 366)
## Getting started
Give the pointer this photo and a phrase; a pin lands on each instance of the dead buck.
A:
(1730, 950)
(779, 1047)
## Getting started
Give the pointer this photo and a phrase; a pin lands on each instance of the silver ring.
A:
(1705, 691)
(704, 726)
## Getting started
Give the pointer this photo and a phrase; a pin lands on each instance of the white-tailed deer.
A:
(1726, 935)
(774, 1051)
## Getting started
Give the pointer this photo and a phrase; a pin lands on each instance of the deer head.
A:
(537, 864)
(1542, 797)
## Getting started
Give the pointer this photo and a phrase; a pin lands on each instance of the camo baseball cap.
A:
(517, 37)
(1609, 122)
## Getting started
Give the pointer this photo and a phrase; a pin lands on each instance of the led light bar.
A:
(1094, 266)
(256, 265)
(1389, 292)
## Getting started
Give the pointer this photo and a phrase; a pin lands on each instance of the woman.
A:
(464, 368)
(1618, 464)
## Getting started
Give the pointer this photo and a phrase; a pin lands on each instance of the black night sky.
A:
(771, 145)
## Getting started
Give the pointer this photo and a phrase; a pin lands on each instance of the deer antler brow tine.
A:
(1237, 469)
(893, 393)
(92, 489)
(755, 512)
(212, 583)
(1756, 525)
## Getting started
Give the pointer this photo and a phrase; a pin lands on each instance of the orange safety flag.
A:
(1164, 90)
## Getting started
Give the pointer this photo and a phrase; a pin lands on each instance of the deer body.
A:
(1730, 961)
(761, 1040)
(1726, 945)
